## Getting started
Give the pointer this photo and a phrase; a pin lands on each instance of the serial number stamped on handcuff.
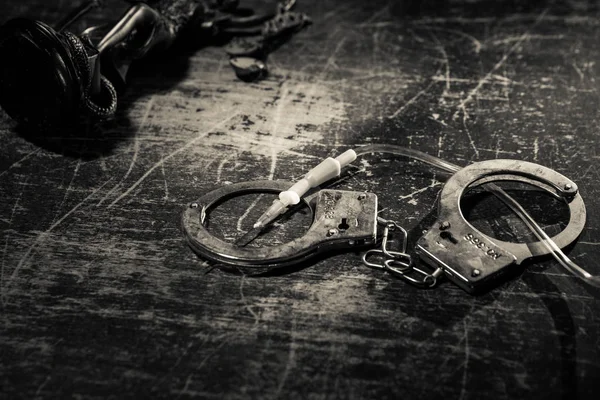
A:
(480, 244)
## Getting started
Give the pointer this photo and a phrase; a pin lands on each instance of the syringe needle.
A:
(326, 170)
(248, 237)
(276, 209)
(268, 216)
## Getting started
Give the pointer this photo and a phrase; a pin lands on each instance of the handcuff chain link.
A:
(398, 263)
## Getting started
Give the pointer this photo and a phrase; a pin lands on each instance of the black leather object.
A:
(39, 81)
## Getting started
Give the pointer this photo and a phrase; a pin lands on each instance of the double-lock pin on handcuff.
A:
(349, 220)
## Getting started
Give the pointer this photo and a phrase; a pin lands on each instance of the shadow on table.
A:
(564, 326)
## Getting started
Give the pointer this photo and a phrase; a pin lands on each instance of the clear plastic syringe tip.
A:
(277, 208)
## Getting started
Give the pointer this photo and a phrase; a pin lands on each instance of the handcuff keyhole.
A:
(448, 236)
(344, 225)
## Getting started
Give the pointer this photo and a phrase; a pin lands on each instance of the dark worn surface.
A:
(102, 298)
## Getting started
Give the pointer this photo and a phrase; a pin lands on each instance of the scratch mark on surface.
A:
(273, 163)
(442, 50)
(136, 150)
(330, 61)
(463, 104)
(162, 168)
(304, 155)
(41, 237)
(377, 14)
(278, 112)
(7, 237)
(536, 148)
(201, 365)
(245, 214)
(587, 171)
(497, 149)
(188, 380)
(171, 155)
(463, 389)
(42, 385)
(17, 163)
(4, 259)
(529, 37)
(412, 100)
(432, 185)
(291, 361)
(495, 80)
(220, 168)
(247, 305)
(476, 43)
(504, 80)
(14, 209)
(336, 11)
(75, 171)
(274, 153)
(579, 72)
(178, 361)
(364, 76)
(575, 19)
(468, 132)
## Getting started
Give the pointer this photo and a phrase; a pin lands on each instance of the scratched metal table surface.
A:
(102, 298)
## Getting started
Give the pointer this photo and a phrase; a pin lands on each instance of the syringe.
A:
(326, 170)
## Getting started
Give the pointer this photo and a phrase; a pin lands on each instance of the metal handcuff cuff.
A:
(348, 220)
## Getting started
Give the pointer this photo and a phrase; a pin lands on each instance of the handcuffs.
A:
(348, 220)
